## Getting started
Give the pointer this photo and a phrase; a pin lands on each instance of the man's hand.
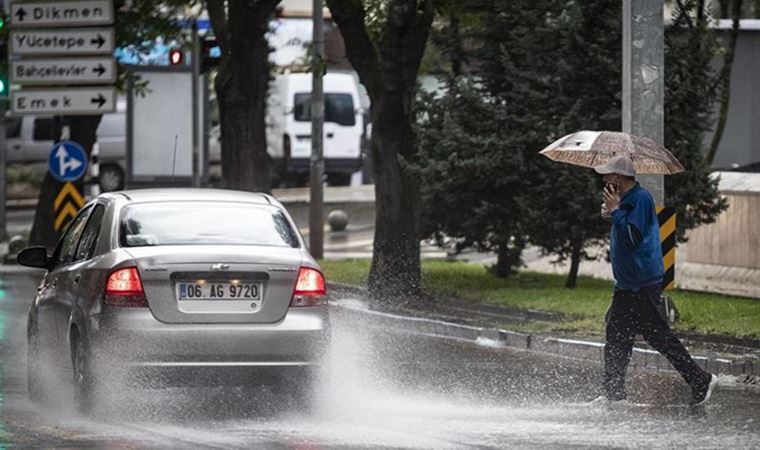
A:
(611, 198)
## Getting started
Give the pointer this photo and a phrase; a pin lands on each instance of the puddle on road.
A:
(362, 401)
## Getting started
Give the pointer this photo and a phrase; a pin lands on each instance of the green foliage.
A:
(547, 69)
(583, 307)
(689, 98)
(470, 177)
(139, 22)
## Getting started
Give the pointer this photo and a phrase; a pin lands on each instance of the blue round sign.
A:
(67, 161)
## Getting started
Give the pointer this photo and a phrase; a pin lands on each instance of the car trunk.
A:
(217, 283)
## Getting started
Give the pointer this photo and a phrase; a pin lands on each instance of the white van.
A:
(289, 126)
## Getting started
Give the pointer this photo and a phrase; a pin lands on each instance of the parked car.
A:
(30, 138)
(176, 280)
(289, 126)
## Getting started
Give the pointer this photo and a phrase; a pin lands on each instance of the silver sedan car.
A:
(174, 280)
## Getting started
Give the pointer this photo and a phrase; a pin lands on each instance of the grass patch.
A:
(585, 306)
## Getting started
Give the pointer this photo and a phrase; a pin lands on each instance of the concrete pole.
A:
(644, 79)
(316, 221)
(196, 67)
(3, 179)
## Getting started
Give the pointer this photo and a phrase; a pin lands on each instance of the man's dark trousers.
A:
(634, 313)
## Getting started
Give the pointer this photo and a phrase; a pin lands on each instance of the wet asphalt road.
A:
(383, 388)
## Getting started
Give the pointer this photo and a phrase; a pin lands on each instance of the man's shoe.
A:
(702, 392)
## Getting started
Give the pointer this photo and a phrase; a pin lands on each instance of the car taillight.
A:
(310, 288)
(124, 288)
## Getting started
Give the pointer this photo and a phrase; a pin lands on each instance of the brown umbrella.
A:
(592, 148)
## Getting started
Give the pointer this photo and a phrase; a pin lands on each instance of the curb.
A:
(641, 358)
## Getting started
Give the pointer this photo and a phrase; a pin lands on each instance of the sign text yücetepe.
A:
(51, 42)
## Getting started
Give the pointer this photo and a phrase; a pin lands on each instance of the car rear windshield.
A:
(204, 223)
(339, 108)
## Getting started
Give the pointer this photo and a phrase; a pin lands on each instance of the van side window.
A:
(43, 129)
(12, 127)
(339, 108)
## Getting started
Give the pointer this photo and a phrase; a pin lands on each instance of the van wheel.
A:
(111, 178)
(339, 179)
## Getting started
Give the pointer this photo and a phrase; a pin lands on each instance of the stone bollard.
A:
(15, 245)
(338, 220)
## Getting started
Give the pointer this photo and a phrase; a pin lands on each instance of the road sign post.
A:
(64, 101)
(54, 71)
(67, 161)
(56, 45)
(62, 13)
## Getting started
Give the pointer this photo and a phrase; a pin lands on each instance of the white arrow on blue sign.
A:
(67, 161)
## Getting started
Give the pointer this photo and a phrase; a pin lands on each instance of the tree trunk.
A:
(395, 267)
(388, 66)
(508, 257)
(82, 131)
(241, 87)
(575, 261)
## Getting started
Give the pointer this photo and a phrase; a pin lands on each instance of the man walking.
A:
(638, 270)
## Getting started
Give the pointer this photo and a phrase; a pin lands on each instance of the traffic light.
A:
(210, 54)
(176, 57)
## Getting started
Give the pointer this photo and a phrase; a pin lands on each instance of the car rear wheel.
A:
(34, 384)
(83, 380)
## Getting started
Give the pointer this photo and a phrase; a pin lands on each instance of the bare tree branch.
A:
(684, 13)
(350, 17)
(217, 13)
(725, 81)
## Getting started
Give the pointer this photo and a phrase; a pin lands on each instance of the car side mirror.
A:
(34, 257)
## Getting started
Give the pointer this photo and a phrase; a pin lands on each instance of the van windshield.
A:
(339, 108)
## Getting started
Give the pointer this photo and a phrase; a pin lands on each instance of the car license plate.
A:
(219, 291)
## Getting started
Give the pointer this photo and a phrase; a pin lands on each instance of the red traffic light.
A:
(176, 57)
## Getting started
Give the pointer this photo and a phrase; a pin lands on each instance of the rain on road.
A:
(382, 388)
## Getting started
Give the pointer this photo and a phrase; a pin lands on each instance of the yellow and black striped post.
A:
(666, 215)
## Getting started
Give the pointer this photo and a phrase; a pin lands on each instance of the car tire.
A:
(339, 179)
(111, 178)
(83, 381)
(35, 386)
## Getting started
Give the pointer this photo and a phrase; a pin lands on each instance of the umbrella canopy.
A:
(592, 148)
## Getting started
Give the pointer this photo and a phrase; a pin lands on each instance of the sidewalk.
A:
(483, 323)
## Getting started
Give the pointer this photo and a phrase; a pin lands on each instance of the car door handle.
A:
(77, 277)
(16, 147)
(54, 284)
(329, 135)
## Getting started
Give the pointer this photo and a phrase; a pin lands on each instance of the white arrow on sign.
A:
(65, 163)
(56, 71)
(62, 14)
(74, 41)
(64, 101)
